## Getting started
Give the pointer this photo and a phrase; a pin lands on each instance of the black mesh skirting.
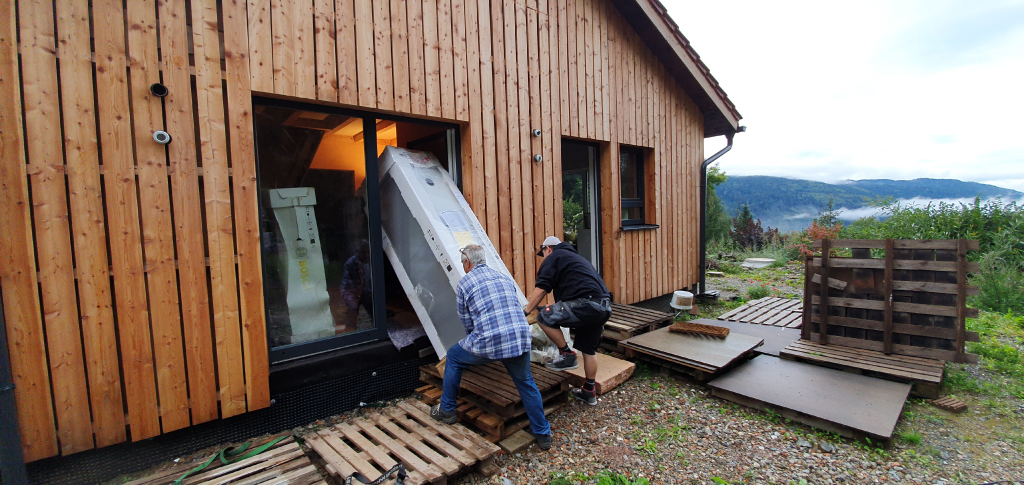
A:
(289, 410)
(659, 303)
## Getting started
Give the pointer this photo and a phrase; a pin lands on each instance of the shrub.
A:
(760, 291)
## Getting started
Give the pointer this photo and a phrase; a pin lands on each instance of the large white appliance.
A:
(426, 222)
(309, 305)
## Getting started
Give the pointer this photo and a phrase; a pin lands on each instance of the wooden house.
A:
(142, 258)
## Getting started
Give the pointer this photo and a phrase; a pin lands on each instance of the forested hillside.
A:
(790, 204)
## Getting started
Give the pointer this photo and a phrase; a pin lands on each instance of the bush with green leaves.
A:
(759, 291)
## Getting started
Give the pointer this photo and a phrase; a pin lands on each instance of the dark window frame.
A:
(641, 201)
(375, 236)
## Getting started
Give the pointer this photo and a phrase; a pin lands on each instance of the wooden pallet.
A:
(285, 462)
(699, 355)
(493, 427)
(777, 312)
(950, 404)
(490, 388)
(431, 451)
(901, 297)
(628, 321)
(924, 374)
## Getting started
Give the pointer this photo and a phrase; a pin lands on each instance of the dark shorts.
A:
(586, 317)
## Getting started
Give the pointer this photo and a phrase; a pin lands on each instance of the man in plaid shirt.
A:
(496, 329)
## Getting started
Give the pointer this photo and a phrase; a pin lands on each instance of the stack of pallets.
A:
(697, 355)
(431, 451)
(629, 321)
(489, 400)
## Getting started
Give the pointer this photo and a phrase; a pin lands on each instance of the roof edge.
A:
(651, 21)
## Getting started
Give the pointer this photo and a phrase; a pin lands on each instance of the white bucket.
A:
(681, 300)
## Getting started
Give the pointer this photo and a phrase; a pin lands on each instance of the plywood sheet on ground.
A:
(775, 338)
(849, 404)
(702, 352)
(610, 373)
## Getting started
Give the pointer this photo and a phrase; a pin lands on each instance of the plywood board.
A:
(851, 404)
(775, 338)
(707, 351)
(610, 373)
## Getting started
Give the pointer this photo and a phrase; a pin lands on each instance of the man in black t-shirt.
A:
(582, 302)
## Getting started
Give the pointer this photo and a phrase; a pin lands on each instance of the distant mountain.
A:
(791, 204)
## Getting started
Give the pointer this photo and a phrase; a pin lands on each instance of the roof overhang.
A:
(652, 23)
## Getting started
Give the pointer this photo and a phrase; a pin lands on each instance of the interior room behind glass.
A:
(312, 167)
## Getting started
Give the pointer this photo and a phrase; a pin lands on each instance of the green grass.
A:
(999, 336)
(909, 437)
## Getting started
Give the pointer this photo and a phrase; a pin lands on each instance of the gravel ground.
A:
(671, 431)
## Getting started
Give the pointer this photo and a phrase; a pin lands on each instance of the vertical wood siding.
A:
(131, 265)
(130, 270)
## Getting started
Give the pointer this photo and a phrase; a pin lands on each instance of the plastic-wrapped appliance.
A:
(426, 222)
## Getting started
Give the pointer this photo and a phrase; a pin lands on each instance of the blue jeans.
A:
(518, 368)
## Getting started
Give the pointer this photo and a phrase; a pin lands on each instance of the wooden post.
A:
(888, 296)
(826, 248)
(805, 328)
(961, 299)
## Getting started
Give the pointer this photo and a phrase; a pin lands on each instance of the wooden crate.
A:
(490, 388)
(493, 427)
(908, 298)
(925, 374)
(777, 312)
(431, 451)
(285, 462)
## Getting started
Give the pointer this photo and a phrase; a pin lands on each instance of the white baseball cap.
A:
(550, 241)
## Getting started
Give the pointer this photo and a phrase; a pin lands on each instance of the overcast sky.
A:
(871, 89)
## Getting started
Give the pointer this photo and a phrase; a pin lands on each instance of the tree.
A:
(747, 233)
(717, 220)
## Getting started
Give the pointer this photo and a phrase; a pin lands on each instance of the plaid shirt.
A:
(496, 327)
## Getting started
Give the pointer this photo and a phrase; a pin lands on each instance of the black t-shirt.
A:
(569, 275)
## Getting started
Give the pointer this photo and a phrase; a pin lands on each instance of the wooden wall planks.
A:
(571, 68)
(50, 211)
(17, 262)
(188, 206)
(217, 194)
(155, 209)
(85, 193)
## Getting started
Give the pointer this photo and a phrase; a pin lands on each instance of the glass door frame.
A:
(375, 233)
(594, 182)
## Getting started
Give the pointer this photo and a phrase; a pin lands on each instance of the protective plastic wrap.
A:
(426, 222)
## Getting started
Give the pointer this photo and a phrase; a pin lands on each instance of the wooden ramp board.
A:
(611, 372)
(775, 312)
(707, 354)
(627, 321)
(490, 388)
(285, 462)
(775, 338)
(431, 451)
(925, 374)
(851, 405)
(494, 428)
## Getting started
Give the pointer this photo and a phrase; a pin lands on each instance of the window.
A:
(327, 283)
(631, 173)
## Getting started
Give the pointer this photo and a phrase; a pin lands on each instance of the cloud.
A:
(834, 91)
(802, 215)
